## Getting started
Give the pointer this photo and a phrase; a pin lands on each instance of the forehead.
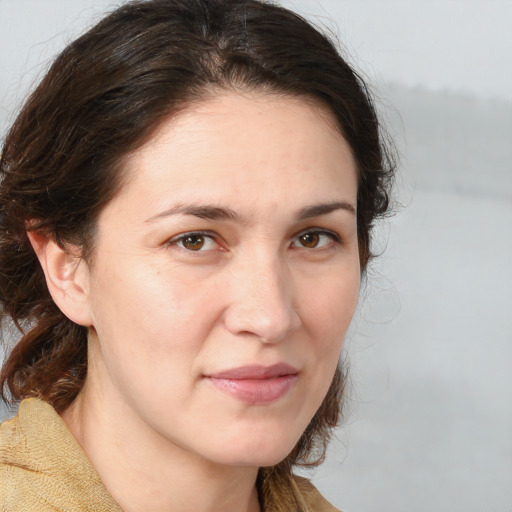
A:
(233, 143)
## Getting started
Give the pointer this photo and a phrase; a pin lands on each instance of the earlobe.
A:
(66, 277)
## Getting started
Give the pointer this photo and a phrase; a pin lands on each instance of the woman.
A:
(186, 207)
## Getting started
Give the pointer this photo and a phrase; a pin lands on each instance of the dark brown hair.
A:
(102, 98)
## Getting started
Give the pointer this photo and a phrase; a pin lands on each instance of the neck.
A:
(143, 471)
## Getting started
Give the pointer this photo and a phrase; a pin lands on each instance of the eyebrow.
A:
(202, 211)
(211, 212)
(323, 209)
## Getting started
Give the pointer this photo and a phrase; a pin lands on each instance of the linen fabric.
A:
(43, 469)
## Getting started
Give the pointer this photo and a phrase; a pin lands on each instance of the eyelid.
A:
(206, 234)
(215, 237)
(335, 237)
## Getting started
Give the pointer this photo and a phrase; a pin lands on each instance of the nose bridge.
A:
(262, 301)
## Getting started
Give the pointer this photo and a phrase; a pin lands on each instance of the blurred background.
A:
(429, 413)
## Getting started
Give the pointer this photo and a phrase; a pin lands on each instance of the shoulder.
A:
(311, 495)
(281, 492)
(17, 469)
(43, 468)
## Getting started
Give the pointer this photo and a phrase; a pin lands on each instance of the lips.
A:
(256, 384)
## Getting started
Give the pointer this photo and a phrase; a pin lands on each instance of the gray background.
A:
(429, 423)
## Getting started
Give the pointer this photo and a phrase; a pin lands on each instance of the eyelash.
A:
(199, 234)
(334, 237)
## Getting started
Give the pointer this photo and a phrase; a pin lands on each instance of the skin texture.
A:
(166, 312)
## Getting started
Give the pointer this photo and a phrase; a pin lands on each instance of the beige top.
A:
(43, 469)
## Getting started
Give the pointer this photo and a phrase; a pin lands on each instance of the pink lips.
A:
(256, 384)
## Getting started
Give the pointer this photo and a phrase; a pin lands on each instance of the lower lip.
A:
(255, 391)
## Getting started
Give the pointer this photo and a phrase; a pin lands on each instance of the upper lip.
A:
(256, 372)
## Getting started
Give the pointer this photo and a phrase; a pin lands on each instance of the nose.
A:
(262, 302)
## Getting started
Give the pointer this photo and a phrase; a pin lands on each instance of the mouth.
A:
(256, 384)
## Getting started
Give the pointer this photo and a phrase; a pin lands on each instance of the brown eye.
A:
(316, 239)
(309, 240)
(196, 241)
(193, 242)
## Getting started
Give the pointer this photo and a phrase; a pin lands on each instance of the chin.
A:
(258, 452)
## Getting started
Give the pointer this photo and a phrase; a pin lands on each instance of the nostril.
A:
(269, 325)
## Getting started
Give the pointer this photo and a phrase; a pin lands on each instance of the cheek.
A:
(150, 316)
(331, 311)
(331, 306)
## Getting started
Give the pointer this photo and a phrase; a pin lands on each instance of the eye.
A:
(316, 239)
(196, 242)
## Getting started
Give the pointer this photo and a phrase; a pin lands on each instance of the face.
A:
(224, 277)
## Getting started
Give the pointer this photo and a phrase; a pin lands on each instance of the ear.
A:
(67, 277)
